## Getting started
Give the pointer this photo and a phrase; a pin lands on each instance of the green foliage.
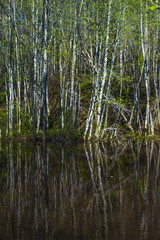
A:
(86, 87)
(67, 135)
(153, 7)
(2, 97)
(3, 120)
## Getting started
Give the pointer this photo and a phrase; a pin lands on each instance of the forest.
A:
(88, 68)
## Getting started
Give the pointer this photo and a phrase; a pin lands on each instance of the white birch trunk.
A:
(110, 78)
(145, 50)
(104, 75)
(35, 43)
(96, 82)
(62, 94)
(45, 67)
(18, 83)
(10, 84)
(73, 65)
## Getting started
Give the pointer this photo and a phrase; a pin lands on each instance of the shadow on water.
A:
(96, 191)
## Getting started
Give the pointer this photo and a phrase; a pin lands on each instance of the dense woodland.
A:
(79, 66)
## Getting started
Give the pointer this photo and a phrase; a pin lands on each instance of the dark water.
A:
(99, 191)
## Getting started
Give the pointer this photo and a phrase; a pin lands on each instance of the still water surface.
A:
(101, 191)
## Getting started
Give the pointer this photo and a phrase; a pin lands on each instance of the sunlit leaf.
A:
(153, 7)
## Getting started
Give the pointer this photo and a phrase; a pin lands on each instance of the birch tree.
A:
(45, 65)
(89, 66)
(10, 87)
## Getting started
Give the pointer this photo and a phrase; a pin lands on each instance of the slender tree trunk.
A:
(110, 78)
(62, 87)
(145, 51)
(35, 45)
(17, 68)
(45, 66)
(73, 83)
(11, 70)
(104, 75)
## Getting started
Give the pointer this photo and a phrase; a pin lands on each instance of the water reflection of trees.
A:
(50, 191)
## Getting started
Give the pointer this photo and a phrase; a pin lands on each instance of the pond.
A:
(99, 191)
